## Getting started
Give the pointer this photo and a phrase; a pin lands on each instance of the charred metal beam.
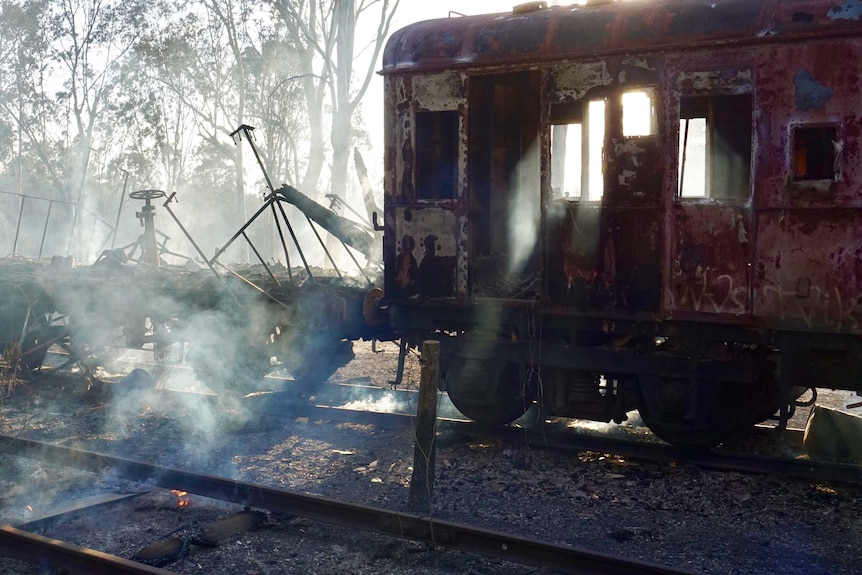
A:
(71, 559)
(345, 230)
(454, 536)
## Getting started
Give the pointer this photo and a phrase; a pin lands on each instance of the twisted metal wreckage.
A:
(232, 324)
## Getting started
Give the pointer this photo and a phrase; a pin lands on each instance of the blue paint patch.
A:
(850, 10)
(810, 94)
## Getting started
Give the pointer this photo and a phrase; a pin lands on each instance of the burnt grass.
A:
(678, 515)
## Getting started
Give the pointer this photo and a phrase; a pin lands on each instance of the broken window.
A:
(715, 147)
(816, 153)
(436, 155)
(577, 140)
(638, 113)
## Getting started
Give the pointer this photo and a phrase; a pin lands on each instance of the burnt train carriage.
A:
(652, 205)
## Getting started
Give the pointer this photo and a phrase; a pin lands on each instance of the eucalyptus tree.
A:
(54, 88)
(331, 40)
(88, 42)
(25, 103)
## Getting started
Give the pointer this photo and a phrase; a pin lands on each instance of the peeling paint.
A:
(638, 63)
(712, 80)
(425, 252)
(850, 10)
(574, 80)
(438, 92)
(810, 94)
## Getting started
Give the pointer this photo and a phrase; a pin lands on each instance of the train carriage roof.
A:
(533, 32)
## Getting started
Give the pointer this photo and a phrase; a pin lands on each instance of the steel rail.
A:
(712, 459)
(283, 404)
(38, 550)
(565, 559)
(571, 441)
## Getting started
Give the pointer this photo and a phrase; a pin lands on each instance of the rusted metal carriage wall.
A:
(428, 235)
(781, 251)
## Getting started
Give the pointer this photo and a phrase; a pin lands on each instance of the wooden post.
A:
(422, 481)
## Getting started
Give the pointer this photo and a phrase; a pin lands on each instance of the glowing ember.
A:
(182, 497)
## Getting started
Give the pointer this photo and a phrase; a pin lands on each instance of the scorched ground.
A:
(708, 521)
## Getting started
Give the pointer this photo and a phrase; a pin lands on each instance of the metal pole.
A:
(74, 225)
(242, 229)
(260, 259)
(359, 267)
(120, 209)
(247, 131)
(18, 228)
(45, 229)
(197, 248)
(323, 245)
(295, 241)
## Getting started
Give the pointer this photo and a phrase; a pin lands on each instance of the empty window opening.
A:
(436, 155)
(504, 182)
(692, 165)
(638, 113)
(816, 151)
(577, 141)
(715, 147)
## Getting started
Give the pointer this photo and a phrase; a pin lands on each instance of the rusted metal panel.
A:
(600, 259)
(711, 252)
(426, 253)
(619, 27)
(808, 85)
(638, 240)
(809, 269)
(437, 235)
(442, 91)
(806, 271)
(574, 80)
(579, 259)
(512, 36)
(609, 255)
(709, 248)
(636, 168)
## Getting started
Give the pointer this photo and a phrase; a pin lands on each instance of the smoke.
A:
(524, 213)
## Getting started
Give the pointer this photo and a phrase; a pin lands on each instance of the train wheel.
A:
(715, 413)
(488, 392)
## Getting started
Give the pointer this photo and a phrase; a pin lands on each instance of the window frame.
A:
(578, 113)
(834, 155)
(428, 173)
(707, 100)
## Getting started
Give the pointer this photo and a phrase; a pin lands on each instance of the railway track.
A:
(338, 402)
(551, 437)
(289, 404)
(455, 536)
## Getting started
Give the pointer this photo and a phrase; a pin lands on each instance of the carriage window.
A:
(577, 139)
(638, 113)
(715, 147)
(816, 153)
(436, 155)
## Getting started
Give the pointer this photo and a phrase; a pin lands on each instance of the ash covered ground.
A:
(679, 515)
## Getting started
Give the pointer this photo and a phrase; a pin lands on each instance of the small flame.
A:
(182, 497)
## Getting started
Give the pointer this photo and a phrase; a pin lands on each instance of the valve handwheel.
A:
(147, 194)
